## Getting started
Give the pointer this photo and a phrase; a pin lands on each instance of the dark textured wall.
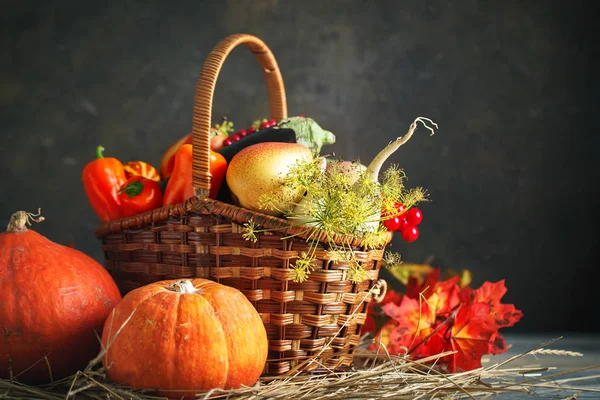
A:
(511, 171)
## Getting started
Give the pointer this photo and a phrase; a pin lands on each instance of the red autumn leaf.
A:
(431, 344)
(474, 331)
(469, 335)
(504, 315)
(498, 345)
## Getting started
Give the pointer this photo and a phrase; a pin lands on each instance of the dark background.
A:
(512, 170)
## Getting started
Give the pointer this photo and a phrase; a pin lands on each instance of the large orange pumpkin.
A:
(53, 304)
(181, 336)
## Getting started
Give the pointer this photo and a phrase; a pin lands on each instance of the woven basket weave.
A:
(318, 320)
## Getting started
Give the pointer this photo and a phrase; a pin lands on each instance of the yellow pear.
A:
(259, 170)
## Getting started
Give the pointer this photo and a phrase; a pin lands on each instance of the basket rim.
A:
(235, 214)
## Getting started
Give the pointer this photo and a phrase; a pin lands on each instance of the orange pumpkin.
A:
(54, 301)
(181, 336)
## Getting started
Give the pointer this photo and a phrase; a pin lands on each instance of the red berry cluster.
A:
(248, 131)
(404, 221)
(268, 124)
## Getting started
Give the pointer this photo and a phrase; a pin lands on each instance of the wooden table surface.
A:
(588, 344)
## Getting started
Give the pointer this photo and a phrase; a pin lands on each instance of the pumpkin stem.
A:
(183, 286)
(19, 221)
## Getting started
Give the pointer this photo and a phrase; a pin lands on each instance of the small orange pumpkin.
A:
(180, 336)
(53, 304)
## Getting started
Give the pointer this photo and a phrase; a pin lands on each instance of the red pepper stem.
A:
(99, 151)
(133, 189)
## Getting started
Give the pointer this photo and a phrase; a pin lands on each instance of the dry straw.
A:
(379, 376)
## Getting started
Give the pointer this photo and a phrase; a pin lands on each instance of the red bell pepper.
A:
(102, 179)
(139, 194)
(180, 187)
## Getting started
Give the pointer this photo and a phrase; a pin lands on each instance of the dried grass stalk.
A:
(557, 352)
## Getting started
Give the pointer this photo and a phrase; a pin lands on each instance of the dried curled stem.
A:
(182, 286)
(18, 221)
(375, 166)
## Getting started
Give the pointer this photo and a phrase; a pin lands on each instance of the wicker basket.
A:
(317, 320)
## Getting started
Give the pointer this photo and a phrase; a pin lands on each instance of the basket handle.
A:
(203, 101)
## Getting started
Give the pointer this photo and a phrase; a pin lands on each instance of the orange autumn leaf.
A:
(416, 316)
(443, 297)
(412, 322)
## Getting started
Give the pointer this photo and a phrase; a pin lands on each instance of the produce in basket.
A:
(308, 133)
(107, 184)
(180, 188)
(352, 169)
(218, 134)
(269, 134)
(139, 194)
(396, 217)
(141, 168)
(260, 169)
(349, 186)
(184, 335)
(341, 199)
(301, 130)
(55, 300)
(102, 179)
